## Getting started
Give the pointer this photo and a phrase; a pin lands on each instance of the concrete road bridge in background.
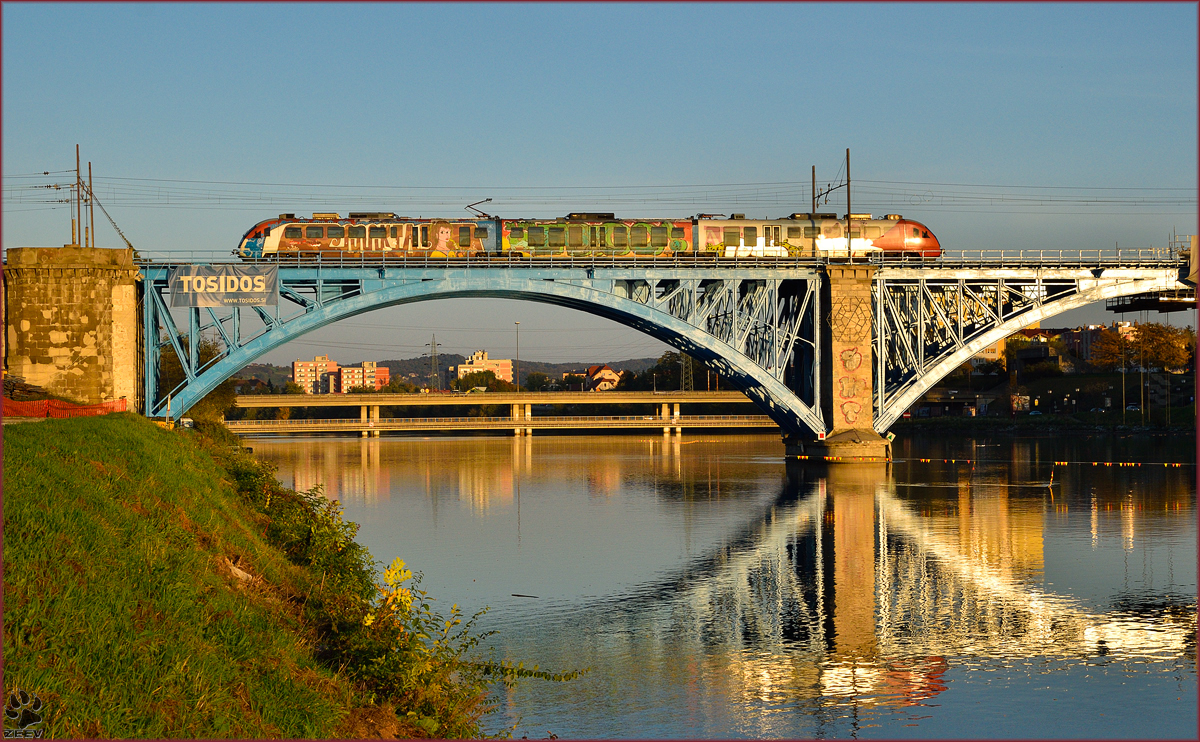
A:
(833, 352)
(521, 421)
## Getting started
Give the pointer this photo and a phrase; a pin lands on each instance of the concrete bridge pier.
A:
(369, 416)
(522, 412)
(846, 383)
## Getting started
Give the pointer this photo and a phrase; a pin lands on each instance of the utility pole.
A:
(76, 238)
(830, 189)
(1142, 371)
(91, 208)
(849, 239)
(433, 364)
(517, 358)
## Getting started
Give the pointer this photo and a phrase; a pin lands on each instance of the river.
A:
(973, 588)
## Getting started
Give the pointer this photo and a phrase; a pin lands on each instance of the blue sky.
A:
(1075, 123)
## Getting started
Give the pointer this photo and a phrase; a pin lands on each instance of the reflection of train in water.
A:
(588, 235)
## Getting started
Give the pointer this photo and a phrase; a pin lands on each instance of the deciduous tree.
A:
(1111, 351)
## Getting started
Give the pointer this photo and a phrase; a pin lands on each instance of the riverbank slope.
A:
(162, 584)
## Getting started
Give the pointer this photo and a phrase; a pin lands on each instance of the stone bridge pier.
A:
(845, 371)
(72, 322)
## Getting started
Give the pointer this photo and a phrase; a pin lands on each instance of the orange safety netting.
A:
(59, 409)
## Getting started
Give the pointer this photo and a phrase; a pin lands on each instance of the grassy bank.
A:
(162, 584)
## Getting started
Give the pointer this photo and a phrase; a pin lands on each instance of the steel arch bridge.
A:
(759, 325)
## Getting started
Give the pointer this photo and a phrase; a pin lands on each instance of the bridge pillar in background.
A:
(362, 416)
(375, 421)
(846, 366)
(517, 411)
(71, 322)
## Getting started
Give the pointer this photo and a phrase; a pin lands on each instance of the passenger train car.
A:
(375, 234)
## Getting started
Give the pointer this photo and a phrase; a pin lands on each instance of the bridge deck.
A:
(433, 424)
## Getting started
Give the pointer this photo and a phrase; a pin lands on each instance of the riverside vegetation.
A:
(163, 584)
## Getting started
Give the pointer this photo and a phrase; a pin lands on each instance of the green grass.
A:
(163, 584)
(121, 613)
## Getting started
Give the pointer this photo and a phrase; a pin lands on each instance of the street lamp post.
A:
(517, 372)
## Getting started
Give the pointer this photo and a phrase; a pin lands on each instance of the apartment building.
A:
(366, 375)
(316, 376)
(479, 361)
(323, 376)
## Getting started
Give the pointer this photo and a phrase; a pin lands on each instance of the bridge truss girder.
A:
(929, 321)
(758, 328)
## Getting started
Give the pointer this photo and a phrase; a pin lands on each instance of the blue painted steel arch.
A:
(618, 300)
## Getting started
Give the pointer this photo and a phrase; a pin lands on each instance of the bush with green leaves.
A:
(386, 638)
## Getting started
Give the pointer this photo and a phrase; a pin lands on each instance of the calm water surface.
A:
(985, 588)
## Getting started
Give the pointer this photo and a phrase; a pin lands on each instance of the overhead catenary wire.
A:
(880, 195)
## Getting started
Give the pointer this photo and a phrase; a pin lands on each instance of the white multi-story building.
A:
(479, 361)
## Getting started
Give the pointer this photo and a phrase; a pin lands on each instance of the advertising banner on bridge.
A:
(224, 286)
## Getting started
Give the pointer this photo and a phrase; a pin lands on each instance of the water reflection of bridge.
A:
(851, 592)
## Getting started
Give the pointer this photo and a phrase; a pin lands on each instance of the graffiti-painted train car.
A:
(591, 234)
(370, 235)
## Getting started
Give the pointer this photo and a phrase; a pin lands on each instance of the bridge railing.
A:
(1105, 257)
(984, 258)
(409, 260)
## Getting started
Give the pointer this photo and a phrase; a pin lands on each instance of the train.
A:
(591, 234)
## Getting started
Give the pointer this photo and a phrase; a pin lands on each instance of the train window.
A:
(751, 235)
(358, 233)
(378, 233)
(575, 236)
(393, 233)
(795, 233)
(677, 233)
(294, 233)
(658, 236)
(464, 236)
(916, 232)
(558, 237)
(598, 235)
(314, 233)
(537, 236)
(425, 236)
(337, 233)
(481, 233)
(733, 236)
(638, 236)
(516, 233)
(855, 234)
(810, 232)
(619, 236)
(873, 233)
